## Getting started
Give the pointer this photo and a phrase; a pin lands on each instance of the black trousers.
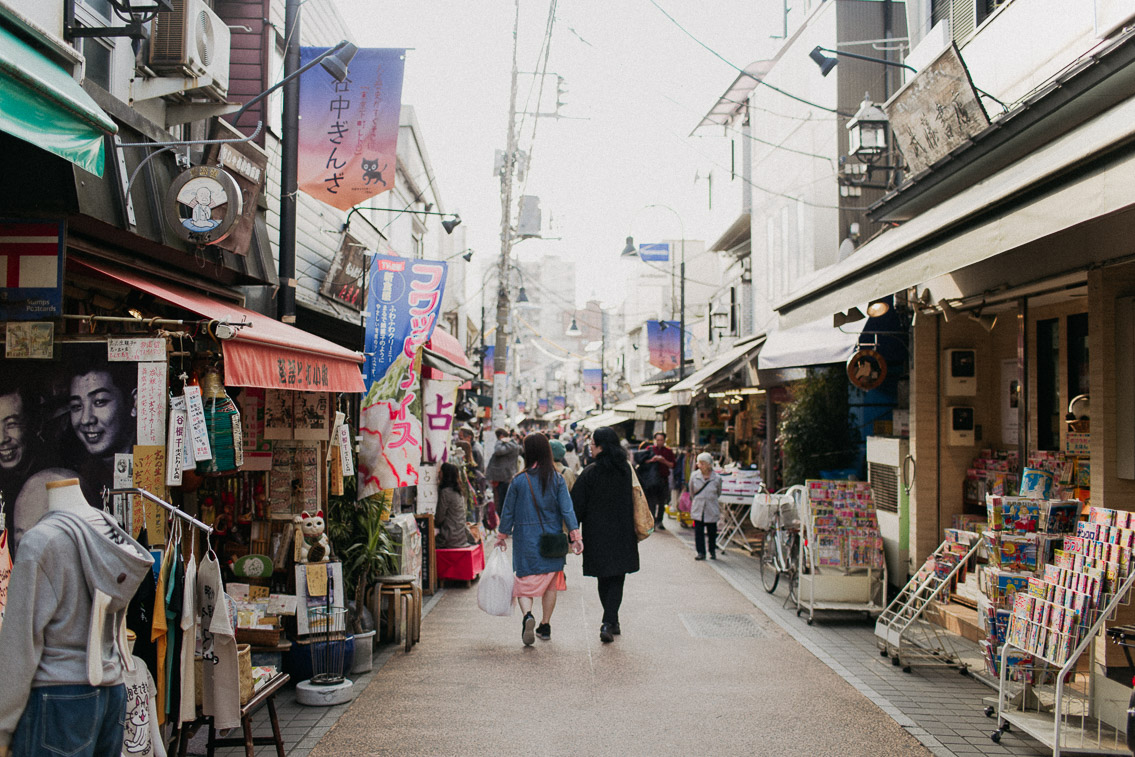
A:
(657, 497)
(611, 596)
(702, 529)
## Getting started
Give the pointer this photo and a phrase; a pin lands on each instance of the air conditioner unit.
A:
(885, 459)
(191, 41)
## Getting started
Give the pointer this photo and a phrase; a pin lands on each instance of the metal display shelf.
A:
(1064, 721)
(820, 588)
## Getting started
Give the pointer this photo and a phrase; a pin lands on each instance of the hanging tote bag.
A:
(5, 571)
(643, 518)
(552, 543)
(494, 589)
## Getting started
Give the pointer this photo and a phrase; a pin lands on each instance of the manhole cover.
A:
(721, 626)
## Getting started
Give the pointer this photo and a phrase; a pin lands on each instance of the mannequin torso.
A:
(67, 496)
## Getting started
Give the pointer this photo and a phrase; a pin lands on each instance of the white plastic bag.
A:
(764, 507)
(494, 590)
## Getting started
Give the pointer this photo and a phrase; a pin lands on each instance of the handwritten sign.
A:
(175, 442)
(136, 350)
(198, 430)
(151, 403)
(936, 112)
(346, 459)
(150, 474)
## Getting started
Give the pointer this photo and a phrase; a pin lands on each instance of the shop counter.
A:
(461, 563)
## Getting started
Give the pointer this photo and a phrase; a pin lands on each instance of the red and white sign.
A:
(31, 270)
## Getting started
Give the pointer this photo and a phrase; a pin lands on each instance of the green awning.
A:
(41, 104)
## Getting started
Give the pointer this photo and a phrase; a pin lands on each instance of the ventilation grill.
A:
(204, 38)
(963, 18)
(885, 484)
(167, 37)
(721, 626)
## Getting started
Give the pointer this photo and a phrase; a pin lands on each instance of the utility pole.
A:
(289, 161)
(500, 352)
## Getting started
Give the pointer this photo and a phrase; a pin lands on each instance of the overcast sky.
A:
(642, 84)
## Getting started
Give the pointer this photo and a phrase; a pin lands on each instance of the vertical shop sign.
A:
(403, 301)
(151, 403)
(175, 442)
(344, 281)
(247, 163)
(31, 270)
(198, 430)
(348, 142)
(346, 459)
(439, 399)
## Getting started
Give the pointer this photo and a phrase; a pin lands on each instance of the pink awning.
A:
(265, 353)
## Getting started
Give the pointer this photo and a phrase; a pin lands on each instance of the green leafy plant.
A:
(816, 432)
(359, 537)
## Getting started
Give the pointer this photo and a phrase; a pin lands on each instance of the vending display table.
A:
(461, 563)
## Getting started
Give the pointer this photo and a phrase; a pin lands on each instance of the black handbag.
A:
(552, 543)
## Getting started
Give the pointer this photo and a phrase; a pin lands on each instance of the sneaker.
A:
(526, 634)
(699, 557)
(605, 634)
(544, 631)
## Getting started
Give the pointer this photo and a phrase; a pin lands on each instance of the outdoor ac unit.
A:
(191, 41)
(885, 459)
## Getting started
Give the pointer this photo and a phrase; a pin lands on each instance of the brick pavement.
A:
(940, 707)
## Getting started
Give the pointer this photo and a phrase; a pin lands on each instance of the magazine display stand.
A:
(841, 553)
(1054, 623)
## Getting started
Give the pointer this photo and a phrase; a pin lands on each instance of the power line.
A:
(730, 63)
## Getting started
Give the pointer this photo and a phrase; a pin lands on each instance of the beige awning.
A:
(684, 391)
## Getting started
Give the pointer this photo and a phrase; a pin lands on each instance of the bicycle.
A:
(780, 552)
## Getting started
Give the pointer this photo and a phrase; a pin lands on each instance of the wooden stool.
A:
(266, 695)
(402, 591)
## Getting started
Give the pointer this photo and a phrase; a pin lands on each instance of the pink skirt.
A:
(536, 585)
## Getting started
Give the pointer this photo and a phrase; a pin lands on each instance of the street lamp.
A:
(631, 251)
(452, 222)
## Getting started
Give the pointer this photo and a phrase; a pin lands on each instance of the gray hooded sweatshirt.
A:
(65, 617)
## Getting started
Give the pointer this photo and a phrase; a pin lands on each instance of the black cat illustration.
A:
(372, 173)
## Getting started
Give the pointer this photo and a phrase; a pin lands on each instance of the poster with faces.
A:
(279, 414)
(312, 416)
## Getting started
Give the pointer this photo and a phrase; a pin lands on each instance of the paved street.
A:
(698, 670)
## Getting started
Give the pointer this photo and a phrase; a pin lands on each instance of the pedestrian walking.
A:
(559, 456)
(705, 508)
(605, 510)
(656, 462)
(502, 467)
(537, 503)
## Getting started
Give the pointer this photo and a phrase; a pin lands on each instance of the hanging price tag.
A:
(198, 432)
(175, 442)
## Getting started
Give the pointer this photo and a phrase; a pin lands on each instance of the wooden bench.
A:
(265, 696)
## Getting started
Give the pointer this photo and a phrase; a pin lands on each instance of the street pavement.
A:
(698, 670)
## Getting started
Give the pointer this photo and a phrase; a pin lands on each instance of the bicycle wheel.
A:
(770, 574)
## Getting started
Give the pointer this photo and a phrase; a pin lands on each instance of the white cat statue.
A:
(311, 539)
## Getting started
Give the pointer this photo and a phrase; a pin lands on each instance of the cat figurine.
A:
(310, 537)
(372, 173)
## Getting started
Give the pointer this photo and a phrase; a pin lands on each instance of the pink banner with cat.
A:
(348, 133)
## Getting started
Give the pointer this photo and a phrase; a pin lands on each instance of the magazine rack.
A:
(1066, 721)
(849, 588)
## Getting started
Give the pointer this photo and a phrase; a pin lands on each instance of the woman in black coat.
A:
(605, 509)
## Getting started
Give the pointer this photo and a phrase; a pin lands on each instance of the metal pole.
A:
(500, 354)
(289, 161)
(602, 361)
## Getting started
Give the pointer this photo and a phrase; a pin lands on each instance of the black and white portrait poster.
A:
(67, 418)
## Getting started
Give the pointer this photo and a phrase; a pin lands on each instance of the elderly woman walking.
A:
(537, 503)
(605, 509)
(705, 490)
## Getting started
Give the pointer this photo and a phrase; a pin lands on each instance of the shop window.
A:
(1048, 412)
(1078, 366)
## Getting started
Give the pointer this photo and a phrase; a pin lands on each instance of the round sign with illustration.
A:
(866, 370)
(203, 204)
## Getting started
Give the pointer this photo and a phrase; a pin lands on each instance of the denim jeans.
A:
(74, 720)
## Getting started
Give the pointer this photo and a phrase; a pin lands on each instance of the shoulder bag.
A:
(643, 518)
(552, 543)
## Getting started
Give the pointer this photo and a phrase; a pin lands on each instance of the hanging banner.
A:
(663, 344)
(487, 364)
(542, 405)
(592, 383)
(348, 140)
(439, 401)
(559, 402)
(522, 406)
(403, 300)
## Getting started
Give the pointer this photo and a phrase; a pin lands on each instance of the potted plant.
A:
(358, 534)
(816, 432)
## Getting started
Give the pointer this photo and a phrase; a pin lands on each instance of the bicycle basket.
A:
(764, 509)
(789, 514)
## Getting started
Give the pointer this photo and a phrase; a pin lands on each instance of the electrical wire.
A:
(730, 63)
